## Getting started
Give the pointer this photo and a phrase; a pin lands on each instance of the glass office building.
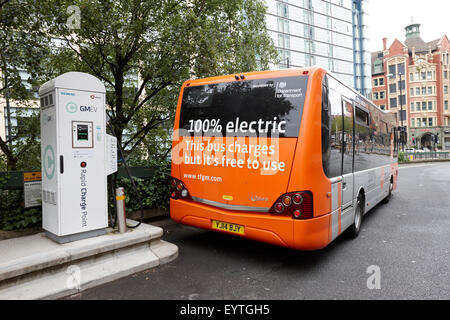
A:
(328, 33)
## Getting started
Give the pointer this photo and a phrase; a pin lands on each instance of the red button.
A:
(83, 164)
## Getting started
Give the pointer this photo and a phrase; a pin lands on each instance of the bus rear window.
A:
(263, 107)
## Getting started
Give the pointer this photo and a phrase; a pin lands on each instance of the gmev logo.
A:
(88, 109)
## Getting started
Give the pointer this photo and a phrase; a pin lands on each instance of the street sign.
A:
(32, 189)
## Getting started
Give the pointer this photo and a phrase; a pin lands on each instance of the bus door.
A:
(347, 154)
(341, 160)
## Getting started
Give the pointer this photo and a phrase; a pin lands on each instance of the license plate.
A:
(230, 227)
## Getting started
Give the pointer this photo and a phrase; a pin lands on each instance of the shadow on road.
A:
(237, 248)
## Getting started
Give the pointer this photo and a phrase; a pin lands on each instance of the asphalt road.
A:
(408, 239)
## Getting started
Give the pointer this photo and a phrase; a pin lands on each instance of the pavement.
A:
(408, 240)
(35, 267)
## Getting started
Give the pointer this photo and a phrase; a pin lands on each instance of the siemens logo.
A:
(88, 109)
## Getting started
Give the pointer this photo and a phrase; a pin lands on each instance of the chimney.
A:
(384, 43)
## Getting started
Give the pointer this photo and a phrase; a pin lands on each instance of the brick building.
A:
(412, 80)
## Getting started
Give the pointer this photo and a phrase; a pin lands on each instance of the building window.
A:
(417, 106)
(446, 104)
(402, 115)
(309, 32)
(283, 25)
(382, 95)
(430, 122)
(308, 4)
(393, 88)
(401, 68)
(424, 106)
(402, 100)
(445, 74)
(375, 82)
(417, 91)
(411, 76)
(413, 124)
(283, 10)
(383, 107)
(393, 102)
(424, 91)
(283, 41)
(430, 105)
(430, 90)
(412, 106)
(429, 75)
(446, 58)
(381, 81)
(401, 85)
(285, 58)
(423, 75)
(392, 70)
(411, 91)
(424, 122)
(445, 89)
(375, 96)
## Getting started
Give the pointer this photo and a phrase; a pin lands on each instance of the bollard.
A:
(120, 206)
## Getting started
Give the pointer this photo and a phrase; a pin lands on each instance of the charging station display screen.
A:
(82, 132)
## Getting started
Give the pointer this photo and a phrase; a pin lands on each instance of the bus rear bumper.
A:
(310, 234)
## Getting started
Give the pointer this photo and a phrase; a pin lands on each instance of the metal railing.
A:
(417, 156)
(14, 180)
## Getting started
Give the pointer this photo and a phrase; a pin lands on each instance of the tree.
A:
(22, 42)
(144, 50)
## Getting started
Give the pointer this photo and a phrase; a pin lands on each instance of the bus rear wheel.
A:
(359, 213)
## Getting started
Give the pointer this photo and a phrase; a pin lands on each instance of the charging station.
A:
(76, 157)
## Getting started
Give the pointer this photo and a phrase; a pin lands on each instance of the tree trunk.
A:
(11, 161)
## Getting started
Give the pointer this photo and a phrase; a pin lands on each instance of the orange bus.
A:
(288, 157)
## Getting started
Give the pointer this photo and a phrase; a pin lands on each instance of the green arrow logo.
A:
(71, 107)
(49, 162)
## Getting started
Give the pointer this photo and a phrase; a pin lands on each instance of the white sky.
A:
(388, 18)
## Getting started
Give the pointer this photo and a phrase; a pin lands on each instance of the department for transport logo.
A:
(71, 107)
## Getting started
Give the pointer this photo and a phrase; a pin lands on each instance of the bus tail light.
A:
(278, 207)
(298, 205)
(178, 190)
(287, 201)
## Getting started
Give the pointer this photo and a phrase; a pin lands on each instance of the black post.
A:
(8, 109)
(401, 109)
